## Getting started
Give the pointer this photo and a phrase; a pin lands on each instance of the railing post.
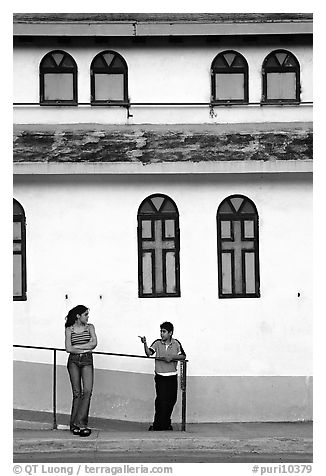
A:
(54, 396)
(183, 385)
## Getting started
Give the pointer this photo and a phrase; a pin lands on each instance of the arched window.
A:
(58, 79)
(109, 78)
(229, 77)
(158, 247)
(237, 245)
(19, 250)
(281, 77)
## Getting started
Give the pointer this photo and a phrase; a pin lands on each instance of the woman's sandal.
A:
(85, 432)
(75, 431)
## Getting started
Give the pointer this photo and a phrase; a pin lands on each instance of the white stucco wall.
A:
(159, 71)
(82, 242)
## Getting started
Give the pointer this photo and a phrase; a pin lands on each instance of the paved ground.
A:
(123, 442)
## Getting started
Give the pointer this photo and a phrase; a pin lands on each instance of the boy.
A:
(168, 350)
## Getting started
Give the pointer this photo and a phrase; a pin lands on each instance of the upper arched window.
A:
(58, 78)
(229, 77)
(281, 77)
(19, 252)
(109, 78)
(158, 247)
(237, 245)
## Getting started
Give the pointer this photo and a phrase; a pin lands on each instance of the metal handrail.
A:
(183, 378)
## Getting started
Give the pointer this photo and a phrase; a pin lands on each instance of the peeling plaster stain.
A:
(154, 146)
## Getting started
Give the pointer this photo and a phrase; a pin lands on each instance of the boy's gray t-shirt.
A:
(163, 350)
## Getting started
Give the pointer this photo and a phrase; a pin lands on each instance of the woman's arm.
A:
(74, 349)
(68, 346)
(92, 343)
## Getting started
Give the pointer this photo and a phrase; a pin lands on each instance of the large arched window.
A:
(58, 79)
(19, 252)
(158, 247)
(109, 78)
(229, 77)
(237, 245)
(281, 77)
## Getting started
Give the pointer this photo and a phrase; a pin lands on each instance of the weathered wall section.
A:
(153, 145)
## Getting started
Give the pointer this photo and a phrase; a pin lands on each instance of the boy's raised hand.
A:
(143, 339)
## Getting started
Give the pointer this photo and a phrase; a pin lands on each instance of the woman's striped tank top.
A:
(78, 338)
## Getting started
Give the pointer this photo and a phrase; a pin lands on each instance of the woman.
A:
(80, 341)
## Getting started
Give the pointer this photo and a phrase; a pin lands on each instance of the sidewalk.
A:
(112, 436)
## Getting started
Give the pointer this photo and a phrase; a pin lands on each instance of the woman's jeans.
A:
(81, 373)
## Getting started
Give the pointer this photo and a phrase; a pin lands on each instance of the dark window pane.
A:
(67, 62)
(170, 272)
(248, 229)
(48, 62)
(147, 273)
(238, 62)
(225, 208)
(220, 62)
(247, 207)
(272, 62)
(169, 228)
(17, 234)
(225, 229)
(147, 207)
(281, 57)
(98, 63)
(17, 247)
(290, 62)
(58, 86)
(236, 202)
(146, 229)
(229, 86)
(226, 273)
(108, 58)
(17, 269)
(18, 208)
(109, 87)
(168, 207)
(250, 272)
(229, 57)
(281, 85)
(157, 202)
(57, 58)
(117, 63)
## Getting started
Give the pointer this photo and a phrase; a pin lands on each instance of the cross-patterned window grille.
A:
(237, 245)
(281, 77)
(58, 79)
(229, 77)
(158, 247)
(109, 78)
(19, 252)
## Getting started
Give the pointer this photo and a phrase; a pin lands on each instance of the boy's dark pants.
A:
(166, 397)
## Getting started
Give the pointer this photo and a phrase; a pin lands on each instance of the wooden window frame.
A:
(163, 216)
(108, 70)
(280, 69)
(230, 70)
(58, 70)
(242, 217)
(20, 218)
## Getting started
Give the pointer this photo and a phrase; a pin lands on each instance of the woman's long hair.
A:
(72, 314)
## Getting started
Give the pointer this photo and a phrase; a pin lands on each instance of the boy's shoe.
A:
(85, 432)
